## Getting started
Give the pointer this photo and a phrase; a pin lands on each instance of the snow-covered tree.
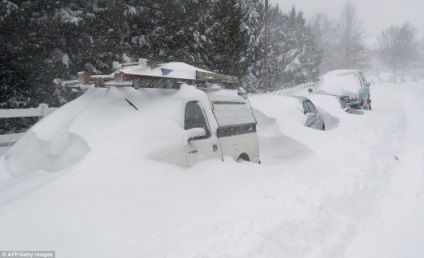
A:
(253, 24)
(227, 39)
(350, 48)
(323, 29)
(25, 37)
(280, 41)
(43, 40)
(179, 31)
(398, 47)
(294, 57)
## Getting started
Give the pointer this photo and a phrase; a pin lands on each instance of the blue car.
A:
(350, 86)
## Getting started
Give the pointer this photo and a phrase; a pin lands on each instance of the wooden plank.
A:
(118, 84)
(41, 111)
(9, 113)
(9, 139)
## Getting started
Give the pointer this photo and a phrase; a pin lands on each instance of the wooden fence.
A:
(42, 111)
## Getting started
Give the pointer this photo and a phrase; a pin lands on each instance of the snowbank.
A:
(51, 145)
(287, 109)
(386, 77)
(103, 122)
(355, 191)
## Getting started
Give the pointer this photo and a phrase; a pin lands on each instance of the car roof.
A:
(226, 95)
(339, 83)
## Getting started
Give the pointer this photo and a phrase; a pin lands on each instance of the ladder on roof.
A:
(121, 79)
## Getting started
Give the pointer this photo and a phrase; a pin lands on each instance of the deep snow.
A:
(354, 191)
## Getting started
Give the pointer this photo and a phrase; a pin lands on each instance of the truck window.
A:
(305, 107)
(234, 118)
(229, 114)
(311, 107)
(195, 117)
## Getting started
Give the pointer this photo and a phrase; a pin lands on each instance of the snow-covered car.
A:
(297, 110)
(350, 86)
(313, 117)
(178, 125)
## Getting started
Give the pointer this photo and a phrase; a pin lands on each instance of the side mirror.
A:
(196, 133)
(367, 84)
(242, 92)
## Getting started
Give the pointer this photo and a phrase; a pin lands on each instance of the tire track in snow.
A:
(396, 228)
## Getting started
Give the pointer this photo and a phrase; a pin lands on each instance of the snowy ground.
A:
(354, 191)
(3, 150)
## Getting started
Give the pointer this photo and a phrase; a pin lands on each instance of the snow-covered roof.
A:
(340, 72)
(226, 95)
(126, 74)
(174, 70)
(339, 83)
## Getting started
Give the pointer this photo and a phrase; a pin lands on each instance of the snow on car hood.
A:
(102, 122)
(289, 109)
(339, 83)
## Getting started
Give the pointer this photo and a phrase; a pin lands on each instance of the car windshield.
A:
(351, 83)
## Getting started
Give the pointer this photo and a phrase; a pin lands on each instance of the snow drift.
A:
(355, 191)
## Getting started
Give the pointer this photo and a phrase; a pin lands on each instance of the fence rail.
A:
(299, 90)
(41, 111)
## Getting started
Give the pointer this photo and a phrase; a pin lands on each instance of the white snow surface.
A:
(339, 83)
(83, 186)
(288, 109)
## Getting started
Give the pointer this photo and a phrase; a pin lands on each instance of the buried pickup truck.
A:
(182, 114)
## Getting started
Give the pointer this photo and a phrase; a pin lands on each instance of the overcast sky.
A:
(375, 15)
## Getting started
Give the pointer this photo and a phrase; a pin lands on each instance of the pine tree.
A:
(179, 32)
(28, 32)
(43, 40)
(279, 44)
(253, 24)
(227, 39)
(294, 57)
(306, 63)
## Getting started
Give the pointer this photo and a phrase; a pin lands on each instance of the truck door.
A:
(204, 146)
(312, 115)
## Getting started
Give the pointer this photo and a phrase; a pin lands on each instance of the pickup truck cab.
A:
(184, 113)
(223, 125)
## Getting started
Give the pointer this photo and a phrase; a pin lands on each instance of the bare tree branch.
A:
(398, 47)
